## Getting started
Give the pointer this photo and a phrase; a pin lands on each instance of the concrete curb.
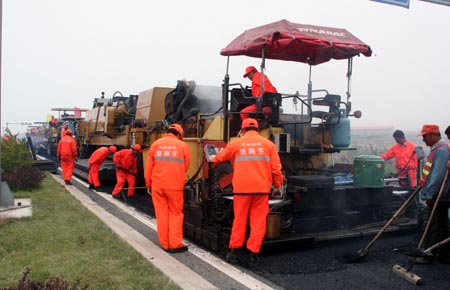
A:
(184, 277)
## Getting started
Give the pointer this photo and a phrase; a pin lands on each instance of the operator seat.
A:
(330, 101)
(270, 100)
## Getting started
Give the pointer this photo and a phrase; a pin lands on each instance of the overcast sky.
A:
(64, 53)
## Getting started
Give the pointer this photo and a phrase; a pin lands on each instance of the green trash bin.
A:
(368, 171)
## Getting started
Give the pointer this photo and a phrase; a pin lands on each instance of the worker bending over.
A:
(126, 169)
(95, 161)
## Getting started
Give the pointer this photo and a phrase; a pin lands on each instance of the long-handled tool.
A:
(350, 258)
(426, 253)
(125, 196)
(406, 272)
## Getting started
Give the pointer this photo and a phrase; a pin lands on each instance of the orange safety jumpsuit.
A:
(256, 167)
(67, 153)
(403, 154)
(256, 92)
(95, 161)
(63, 132)
(167, 164)
(126, 170)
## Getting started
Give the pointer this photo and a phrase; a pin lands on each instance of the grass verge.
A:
(64, 239)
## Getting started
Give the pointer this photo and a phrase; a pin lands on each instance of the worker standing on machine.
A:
(95, 161)
(126, 169)
(67, 154)
(447, 132)
(431, 180)
(252, 73)
(168, 161)
(405, 160)
(64, 130)
(256, 167)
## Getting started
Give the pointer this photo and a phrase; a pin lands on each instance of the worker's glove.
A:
(429, 201)
(448, 165)
(276, 193)
(76, 159)
(149, 190)
(210, 158)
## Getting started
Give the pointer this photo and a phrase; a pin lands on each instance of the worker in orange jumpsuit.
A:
(64, 130)
(447, 132)
(405, 160)
(53, 122)
(168, 161)
(252, 73)
(126, 169)
(67, 154)
(256, 167)
(95, 161)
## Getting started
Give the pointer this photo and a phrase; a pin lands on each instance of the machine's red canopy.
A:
(285, 40)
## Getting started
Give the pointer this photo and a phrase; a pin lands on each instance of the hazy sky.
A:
(63, 53)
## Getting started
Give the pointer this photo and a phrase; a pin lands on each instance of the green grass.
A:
(64, 239)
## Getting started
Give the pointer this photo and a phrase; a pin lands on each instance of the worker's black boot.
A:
(91, 186)
(232, 257)
(253, 260)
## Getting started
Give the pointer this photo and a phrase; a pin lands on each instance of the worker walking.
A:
(258, 89)
(95, 161)
(126, 169)
(167, 164)
(67, 154)
(431, 181)
(256, 167)
(405, 160)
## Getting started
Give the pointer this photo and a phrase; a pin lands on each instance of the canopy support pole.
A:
(225, 89)
(349, 78)
(263, 67)
(310, 87)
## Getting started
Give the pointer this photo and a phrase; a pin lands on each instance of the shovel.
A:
(406, 272)
(426, 253)
(351, 258)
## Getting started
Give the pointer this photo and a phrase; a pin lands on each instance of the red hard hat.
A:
(179, 129)
(137, 147)
(249, 122)
(112, 149)
(248, 70)
(69, 132)
(429, 129)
